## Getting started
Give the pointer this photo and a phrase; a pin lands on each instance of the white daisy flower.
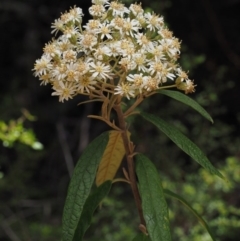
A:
(100, 52)
(105, 31)
(59, 71)
(136, 9)
(86, 83)
(82, 67)
(137, 81)
(71, 31)
(150, 83)
(167, 47)
(100, 2)
(181, 74)
(157, 52)
(97, 10)
(58, 25)
(154, 22)
(130, 26)
(126, 47)
(65, 91)
(76, 14)
(118, 9)
(64, 44)
(72, 72)
(143, 41)
(100, 70)
(87, 41)
(93, 26)
(139, 61)
(125, 90)
(66, 17)
(126, 64)
(52, 49)
(114, 48)
(69, 56)
(161, 71)
(42, 66)
(118, 24)
(45, 79)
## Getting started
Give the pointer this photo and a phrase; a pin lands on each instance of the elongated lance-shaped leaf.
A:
(141, 237)
(187, 101)
(80, 185)
(182, 142)
(155, 209)
(183, 201)
(89, 207)
(111, 158)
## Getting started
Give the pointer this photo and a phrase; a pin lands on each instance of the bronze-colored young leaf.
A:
(155, 209)
(182, 142)
(183, 201)
(111, 158)
(187, 101)
(80, 185)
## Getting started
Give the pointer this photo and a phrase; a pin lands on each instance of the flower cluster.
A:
(121, 51)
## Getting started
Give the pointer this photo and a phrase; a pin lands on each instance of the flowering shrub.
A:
(121, 54)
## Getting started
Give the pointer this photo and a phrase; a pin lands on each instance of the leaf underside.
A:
(111, 158)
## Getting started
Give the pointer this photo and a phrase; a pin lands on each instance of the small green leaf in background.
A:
(141, 237)
(182, 142)
(187, 101)
(155, 209)
(15, 131)
(90, 206)
(81, 183)
(182, 200)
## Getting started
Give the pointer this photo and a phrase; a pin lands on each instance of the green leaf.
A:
(141, 237)
(187, 101)
(80, 185)
(155, 210)
(89, 207)
(182, 142)
(201, 220)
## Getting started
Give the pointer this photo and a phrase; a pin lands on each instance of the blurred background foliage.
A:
(33, 181)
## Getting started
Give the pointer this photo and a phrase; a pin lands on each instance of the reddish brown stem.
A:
(129, 148)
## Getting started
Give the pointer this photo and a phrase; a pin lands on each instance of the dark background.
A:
(35, 182)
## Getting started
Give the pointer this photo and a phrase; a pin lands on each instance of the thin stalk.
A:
(160, 88)
(104, 84)
(167, 87)
(129, 148)
(106, 121)
(137, 102)
(111, 103)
